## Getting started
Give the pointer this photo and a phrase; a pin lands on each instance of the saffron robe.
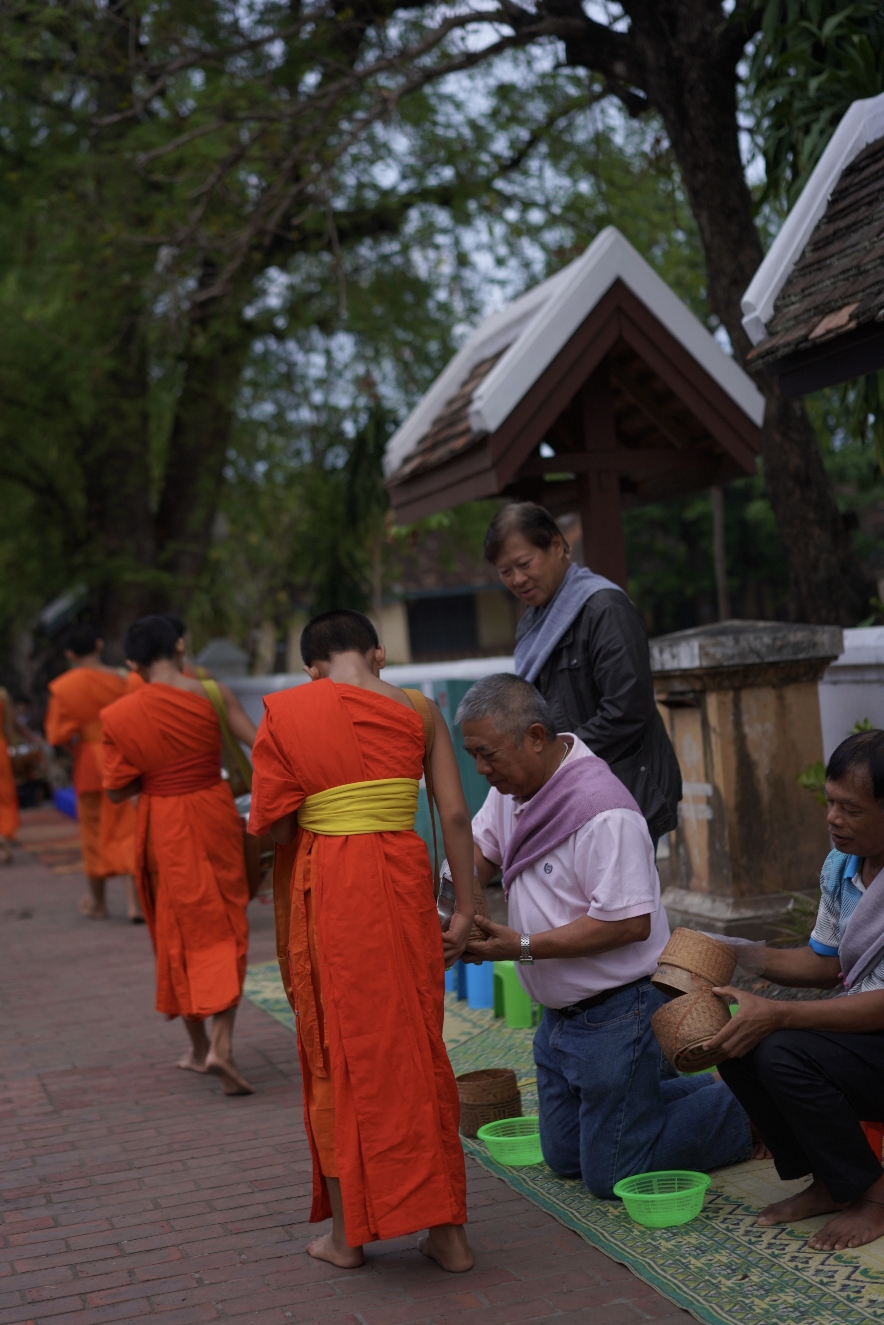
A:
(107, 831)
(189, 861)
(9, 815)
(371, 1015)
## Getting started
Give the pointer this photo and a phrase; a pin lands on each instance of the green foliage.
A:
(813, 59)
(813, 779)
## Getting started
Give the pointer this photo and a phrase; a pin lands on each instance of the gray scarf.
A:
(862, 943)
(541, 628)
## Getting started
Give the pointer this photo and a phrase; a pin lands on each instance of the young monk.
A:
(336, 771)
(107, 832)
(9, 816)
(163, 743)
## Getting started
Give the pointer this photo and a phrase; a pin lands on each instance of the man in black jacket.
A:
(582, 643)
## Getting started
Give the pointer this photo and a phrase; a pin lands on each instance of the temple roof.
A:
(510, 350)
(812, 308)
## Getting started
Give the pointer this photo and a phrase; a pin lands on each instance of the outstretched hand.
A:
(754, 1019)
(501, 945)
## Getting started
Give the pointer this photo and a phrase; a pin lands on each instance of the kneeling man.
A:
(586, 929)
(808, 1072)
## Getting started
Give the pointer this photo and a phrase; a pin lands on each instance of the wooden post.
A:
(599, 489)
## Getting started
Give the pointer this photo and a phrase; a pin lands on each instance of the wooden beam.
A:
(637, 462)
(647, 405)
(599, 486)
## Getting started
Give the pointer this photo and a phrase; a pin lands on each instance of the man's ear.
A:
(313, 672)
(179, 645)
(378, 658)
(536, 733)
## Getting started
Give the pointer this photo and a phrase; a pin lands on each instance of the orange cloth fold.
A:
(360, 951)
(107, 832)
(190, 867)
(9, 815)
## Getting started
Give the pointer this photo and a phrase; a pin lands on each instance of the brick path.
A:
(132, 1189)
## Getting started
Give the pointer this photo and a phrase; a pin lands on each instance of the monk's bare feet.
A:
(94, 910)
(190, 1063)
(327, 1249)
(232, 1080)
(447, 1245)
(814, 1200)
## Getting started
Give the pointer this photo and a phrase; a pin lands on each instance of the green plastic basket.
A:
(659, 1200)
(513, 1141)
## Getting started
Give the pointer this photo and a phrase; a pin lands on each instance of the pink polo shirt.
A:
(605, 869)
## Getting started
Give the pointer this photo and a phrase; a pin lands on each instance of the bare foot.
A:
(94, 910)
(136, 919)
(326, 1249)
(232, 1080)
(6, 853)
(447, 1245)
(759, 1149)
(190, 1063)
(814, 1200)
(858, 1223)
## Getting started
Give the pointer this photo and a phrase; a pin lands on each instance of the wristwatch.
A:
(525, 958)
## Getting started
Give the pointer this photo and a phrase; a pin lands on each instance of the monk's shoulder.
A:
(120, 712)
(296, 700)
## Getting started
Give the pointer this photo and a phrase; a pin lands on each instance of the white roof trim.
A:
(863, 123)
(541, 322)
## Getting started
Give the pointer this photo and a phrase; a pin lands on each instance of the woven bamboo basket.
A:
(683, 1026)
(491, 1085)
(672, 980)
(712, 962)
(474, 1116)
(479, 902)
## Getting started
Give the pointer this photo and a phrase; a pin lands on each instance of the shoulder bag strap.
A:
(213, 694)
(422, 708)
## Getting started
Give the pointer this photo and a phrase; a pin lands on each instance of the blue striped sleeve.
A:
(822, 949)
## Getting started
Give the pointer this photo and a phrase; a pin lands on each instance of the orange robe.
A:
(107, 832)
(9, 816)
(189, 862)
(360, 950)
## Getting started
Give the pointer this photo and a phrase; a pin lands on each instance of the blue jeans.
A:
(607, 1110)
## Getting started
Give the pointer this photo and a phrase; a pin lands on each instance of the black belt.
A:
(596, 1000)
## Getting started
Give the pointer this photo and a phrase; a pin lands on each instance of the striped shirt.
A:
(841, 888)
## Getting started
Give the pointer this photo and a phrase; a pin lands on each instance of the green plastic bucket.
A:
(659, 1200)
(513, 1141)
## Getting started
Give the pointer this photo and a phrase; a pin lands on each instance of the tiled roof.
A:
(450, 433)
(838, 282)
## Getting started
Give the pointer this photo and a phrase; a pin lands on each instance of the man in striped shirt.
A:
(809, 1072)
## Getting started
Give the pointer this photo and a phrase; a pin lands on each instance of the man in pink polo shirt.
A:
(586, 930)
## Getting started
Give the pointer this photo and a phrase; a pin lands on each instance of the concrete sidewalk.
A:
(134, 1189)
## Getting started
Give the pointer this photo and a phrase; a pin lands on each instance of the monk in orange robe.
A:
(9, 816)
(107, 832)
(361, 947)
(163, 743)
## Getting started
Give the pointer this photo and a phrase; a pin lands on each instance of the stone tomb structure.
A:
(596, 391)
(740, 703)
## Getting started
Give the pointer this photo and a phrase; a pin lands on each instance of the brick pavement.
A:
(132, 1189)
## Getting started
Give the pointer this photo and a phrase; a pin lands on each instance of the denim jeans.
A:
(607, 1109)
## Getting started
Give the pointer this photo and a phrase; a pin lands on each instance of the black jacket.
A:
(597, 681)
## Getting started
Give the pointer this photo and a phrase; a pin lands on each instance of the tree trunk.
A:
(687, 53)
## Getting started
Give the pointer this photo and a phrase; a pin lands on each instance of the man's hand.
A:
(454, 938)
(755, 1018)
(502, 944)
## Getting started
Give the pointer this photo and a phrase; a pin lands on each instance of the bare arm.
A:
(457, 835)
(240, 723)
(584, 937)
(758, 1017)
(116, 795)
(285, 829)
(801, 968)
(485, 869)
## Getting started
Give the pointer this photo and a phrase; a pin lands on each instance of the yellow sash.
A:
(388, 805)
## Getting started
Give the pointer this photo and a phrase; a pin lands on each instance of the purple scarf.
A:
(574, 795)
(862, 943)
